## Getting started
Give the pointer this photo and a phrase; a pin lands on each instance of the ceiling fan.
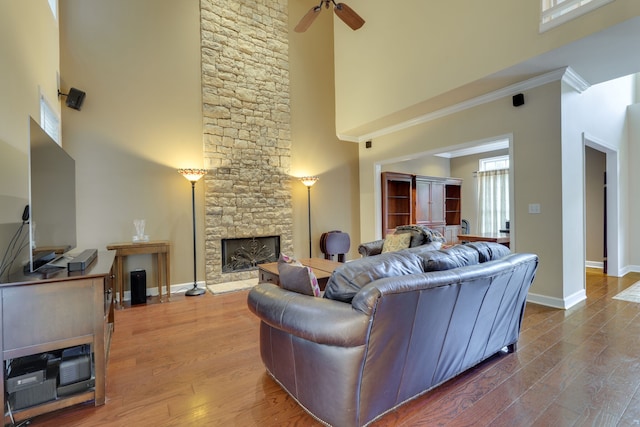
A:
(344, 12)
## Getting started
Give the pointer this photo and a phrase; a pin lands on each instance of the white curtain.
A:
(493, 200)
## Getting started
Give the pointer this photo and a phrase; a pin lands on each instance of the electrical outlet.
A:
(534, 208)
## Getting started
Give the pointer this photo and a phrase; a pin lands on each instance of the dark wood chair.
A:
(335, 243)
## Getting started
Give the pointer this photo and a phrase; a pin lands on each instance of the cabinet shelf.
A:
(397, 200)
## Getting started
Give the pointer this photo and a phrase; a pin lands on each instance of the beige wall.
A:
(535, 153)
(142, 120)
(315, 149)
(28, 67)
(426, 165)
(404, 57)
(139, 63)
(30, 62)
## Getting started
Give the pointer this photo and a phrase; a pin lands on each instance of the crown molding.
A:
(575, 80)
(566, 74)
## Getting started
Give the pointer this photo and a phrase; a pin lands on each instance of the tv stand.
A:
(47, 313)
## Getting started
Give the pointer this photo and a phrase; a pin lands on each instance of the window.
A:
(493, 163)
(556, 12)
(49, 120)
(492, 183)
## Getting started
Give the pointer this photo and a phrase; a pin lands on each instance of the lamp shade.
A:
(192, 175)
(308, 181)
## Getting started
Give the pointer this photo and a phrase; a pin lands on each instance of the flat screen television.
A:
(52, 183)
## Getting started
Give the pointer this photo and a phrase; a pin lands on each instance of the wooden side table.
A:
(160, 248)
(322, 268)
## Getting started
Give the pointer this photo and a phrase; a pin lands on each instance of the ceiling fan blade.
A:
(348, 16)
(308, 19)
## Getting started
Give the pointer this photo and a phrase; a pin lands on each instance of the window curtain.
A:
(493, 200)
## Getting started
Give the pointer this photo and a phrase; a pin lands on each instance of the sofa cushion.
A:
(427, 247)
(296, 277)
(453, 257)
(348, 278)
(489, 251)
(396, 242)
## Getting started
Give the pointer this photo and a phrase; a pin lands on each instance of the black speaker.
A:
(138, 287)
(518, 100)
(75, 98)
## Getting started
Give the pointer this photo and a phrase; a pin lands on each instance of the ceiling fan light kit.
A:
(344, 12)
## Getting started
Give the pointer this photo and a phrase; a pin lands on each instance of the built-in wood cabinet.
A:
(429, 202)
(397, 201)
(434, 202)
(453, 210)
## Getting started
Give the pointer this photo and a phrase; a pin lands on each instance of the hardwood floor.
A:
(195, 362)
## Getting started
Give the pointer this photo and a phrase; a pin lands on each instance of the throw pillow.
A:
(396, 242)
(296, 277)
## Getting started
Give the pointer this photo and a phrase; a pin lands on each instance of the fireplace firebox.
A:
(246, 253)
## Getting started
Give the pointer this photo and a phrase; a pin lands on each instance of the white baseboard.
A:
(562, 303)
(174, 289)
(594, 264)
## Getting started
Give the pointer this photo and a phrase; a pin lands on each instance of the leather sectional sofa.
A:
(391, 327)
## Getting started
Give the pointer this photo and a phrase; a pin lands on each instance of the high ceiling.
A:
(600, 57)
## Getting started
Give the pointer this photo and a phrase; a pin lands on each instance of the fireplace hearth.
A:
(245, 254)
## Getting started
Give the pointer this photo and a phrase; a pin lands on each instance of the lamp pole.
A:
(309, 220)
(193, 175)
(308, 181)
(195, 290)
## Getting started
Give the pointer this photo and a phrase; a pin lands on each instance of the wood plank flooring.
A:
(195, 362)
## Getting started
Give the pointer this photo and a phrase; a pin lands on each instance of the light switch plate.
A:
(534, 208)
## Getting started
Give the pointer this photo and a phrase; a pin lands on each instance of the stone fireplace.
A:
(247, 141)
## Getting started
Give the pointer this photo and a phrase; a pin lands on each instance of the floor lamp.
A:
(308, 181)
(193, 175)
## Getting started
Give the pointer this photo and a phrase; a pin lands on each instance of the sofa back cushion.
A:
(446, 259)
(350, 277)
(489, 251)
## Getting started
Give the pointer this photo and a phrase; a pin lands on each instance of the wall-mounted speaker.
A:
(75, 98)
(518, 100)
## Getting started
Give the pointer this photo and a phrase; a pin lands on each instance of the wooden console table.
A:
(47, 313)
(161, 249)
(322, 268)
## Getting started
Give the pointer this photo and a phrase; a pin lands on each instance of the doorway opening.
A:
(601, 238)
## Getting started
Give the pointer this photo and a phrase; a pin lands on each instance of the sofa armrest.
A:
(371, 248)
(315, 319)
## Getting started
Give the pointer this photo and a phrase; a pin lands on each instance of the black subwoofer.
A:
(138, 287)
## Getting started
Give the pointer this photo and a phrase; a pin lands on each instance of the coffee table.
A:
(321, 267)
